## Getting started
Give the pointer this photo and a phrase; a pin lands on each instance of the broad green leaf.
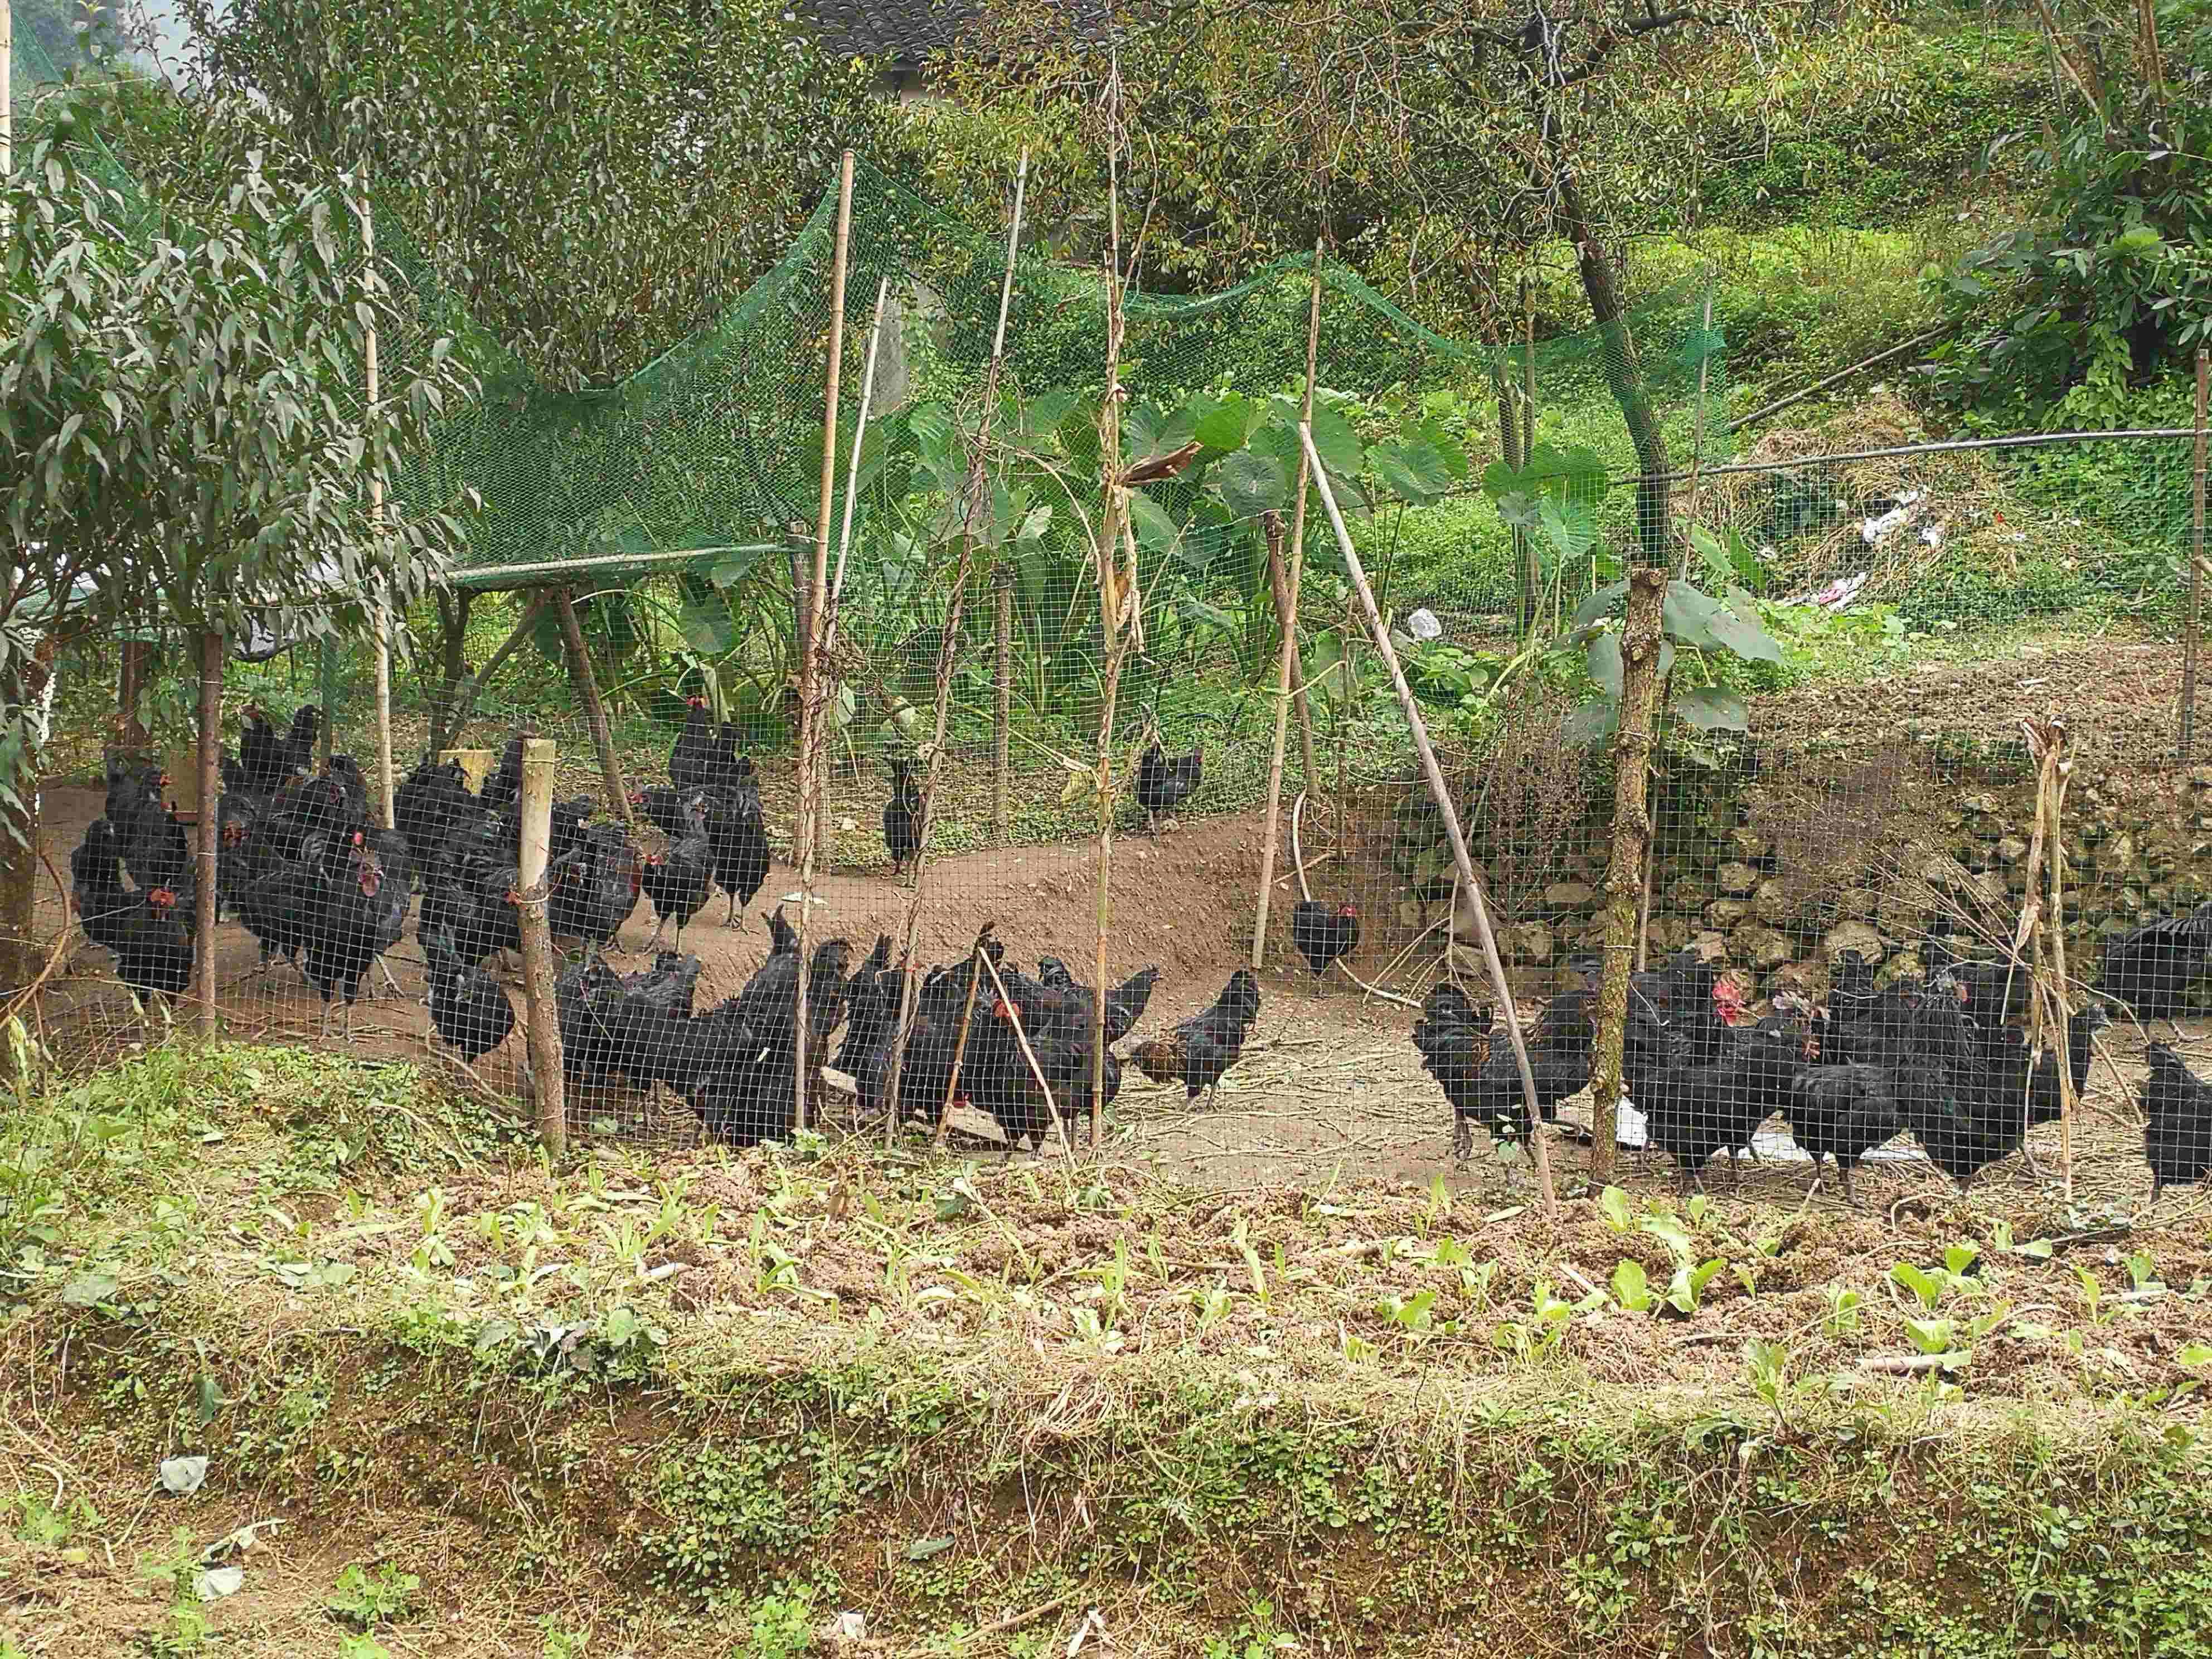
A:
(1602, 602)
(708, 628)
(1714, 709)
(1925, 1286)
(1411, 470)
(1147, 432)
(1612, 1204)
(1697, 619)
(1571, 528)
(1249, 483)
(1631, 1287)
(1226, 424)
(1603, 658)
(1155, 530)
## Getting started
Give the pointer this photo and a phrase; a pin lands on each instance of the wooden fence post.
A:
(535, 808)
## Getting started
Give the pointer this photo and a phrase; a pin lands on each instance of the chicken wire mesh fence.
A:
(678, 510)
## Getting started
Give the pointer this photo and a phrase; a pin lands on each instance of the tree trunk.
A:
(586, 687)
(1623, 375)
(453, 608)
(1631, 835)
(19, 956)
(209, 760)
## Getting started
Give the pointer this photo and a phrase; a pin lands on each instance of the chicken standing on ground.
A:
(676, 880)
(468, 1008)
(1163, 784)
(351, 921)
(1843, 1111)
(691, 761)
(1198, 1052)
(2177, 1127)
(902, 817)
(1323, 934)
(737, 830)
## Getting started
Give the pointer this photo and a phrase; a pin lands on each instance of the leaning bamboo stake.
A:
(845, 544)
(1036, 1071)
(534, 806)
(1288, 680)
(974, 499)
(1298, 522)
(2068, 1105)
(960, 1037)
(1441, 791)
(804, 824)
(586, 682)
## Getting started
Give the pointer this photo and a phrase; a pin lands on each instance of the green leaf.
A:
(1925, 1286)
(2195, 1353)
(1930, 1335)
(1249, 483)
(88, 1289)
(1604, 602)
(1571, 528)
(1698, 620)
(1147, 433)
(1612, 1204)
(1227, 423)
(1603, 658)
(708, 628)
(1714, 709)
(1631, 1288)
(1413, 471)
(920, 1549)
(1155, 530)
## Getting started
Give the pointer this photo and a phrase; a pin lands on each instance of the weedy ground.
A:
(451, 1400)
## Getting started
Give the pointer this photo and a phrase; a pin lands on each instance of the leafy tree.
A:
(2110, 284)
(595, 181)
(180, 431)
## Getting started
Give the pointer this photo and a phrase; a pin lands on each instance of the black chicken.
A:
(594, 886)
(737, 836)
(1164, 783)
(1200, 1050)
(1323, 934)
(2151, 968)
(902, 817)
(359, 914)
(1561, 1049)
(1692, 1112)
(675, 881)
(2177, 1130)
(1453, 1037)
(468, 1008)
(670, 984)
(1842, 1111)
(692, 760)
(1125, 1004)
(96, 887)
(662, 805)
(504, 786)
(153, 946)
(427, 803)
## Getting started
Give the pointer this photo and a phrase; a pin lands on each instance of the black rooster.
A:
(737, 836)
(692, 760)
(1844, 1111)
(2177, 1131)
(902, 817)
(2151, 968)
(468, 1008)
(675, 881)
(1164, 783)
(357, 914)
(1323, 934)
(1200, 1050)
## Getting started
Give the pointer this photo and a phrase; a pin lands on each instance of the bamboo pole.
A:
(535, 808)
(379, 613)
(845, 547)
(580, 675)
(1441, 791)
(960, 1039)
(1533, 572)
(1308, 764)
(1285, 578)
(805, 822)
(1002, 713)
(975, 498)
(1110, 508)
(1021, 1037)
(2188, 636)
(210, 785)
(1841, 375)
(2061, 769)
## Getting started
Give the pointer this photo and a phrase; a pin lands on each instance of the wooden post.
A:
(586, 682)
(536, 809)
(211, 785)
(2060, 768)
(1442, 793)
(976, 499)
(2196, 564)
(959, 1039)
(380, 614)
(805, 823)
(1288, 669)
(1002, 726)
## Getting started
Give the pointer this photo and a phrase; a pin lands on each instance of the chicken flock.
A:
(1944, 1058)
(305, 868)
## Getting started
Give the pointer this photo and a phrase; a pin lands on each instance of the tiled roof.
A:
(907, 33)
